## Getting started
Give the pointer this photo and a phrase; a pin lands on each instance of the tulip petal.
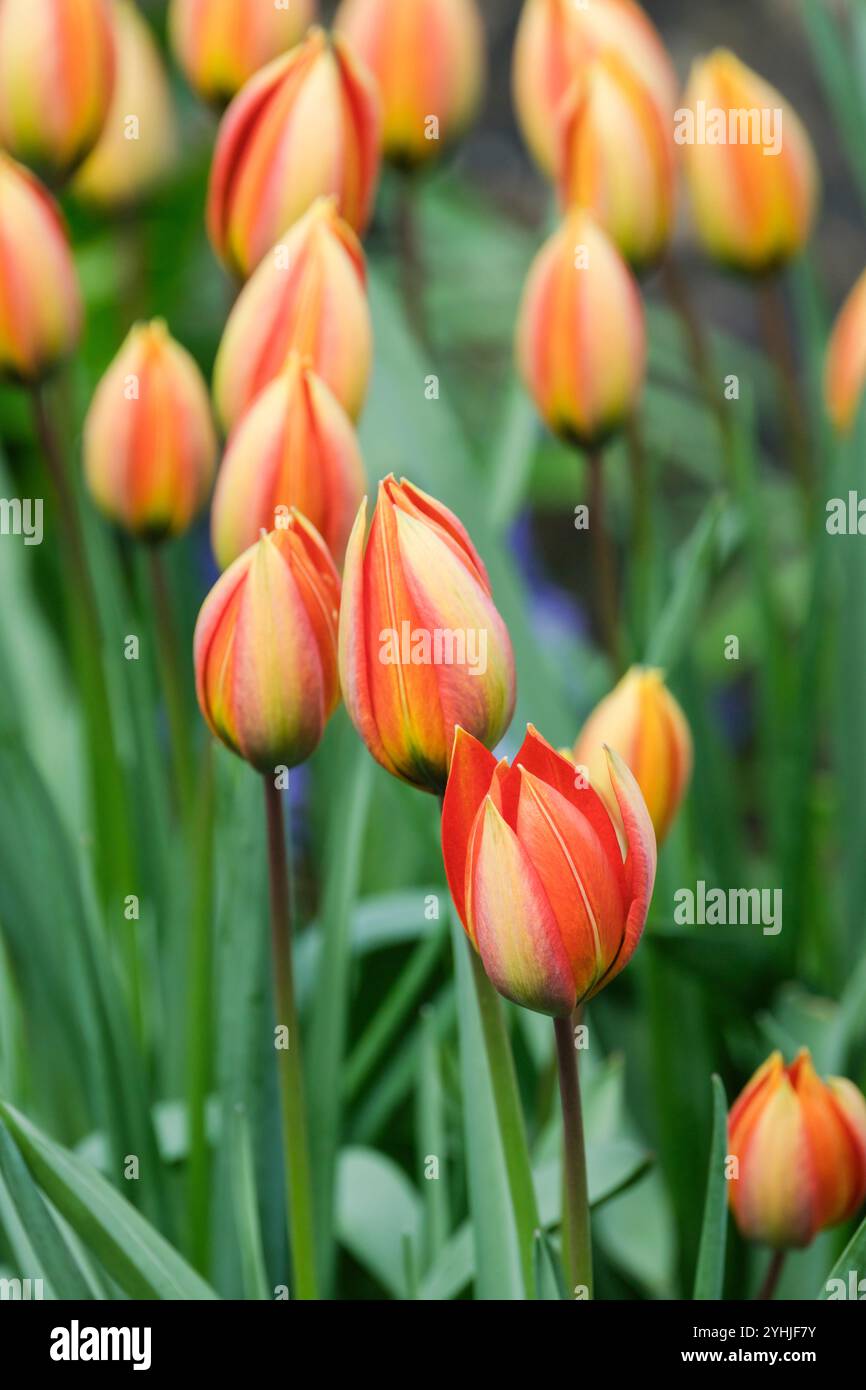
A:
(472, 767)
(641, 857)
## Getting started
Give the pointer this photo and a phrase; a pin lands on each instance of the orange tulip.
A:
(40, 303)
(57, 65)
(800, 1145)
(266, 649)
(537, 874)
(422, 647)
(427, 57)
(295, 447)
(307, 296)
(845, 373)
(149, 442)
(749, 164)
(581, 339)
(221, 43)
(308, 124)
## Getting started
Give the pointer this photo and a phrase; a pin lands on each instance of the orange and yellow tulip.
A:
(537, 874)
(645, 724)
(581, 337)
(265, 648)
(149, 441)
(294, 447)
(427, 57)
(800, 1146)
(40, 302)
(220, 44)
(422, 646)
(307, 125)
(308, 296)
(845, 372)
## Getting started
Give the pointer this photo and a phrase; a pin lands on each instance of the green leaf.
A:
(676, 628)
(549, 1283)
(23, 1210)
(853, 1257)
(378, 1209)
(710, 1272)
(246, 1210)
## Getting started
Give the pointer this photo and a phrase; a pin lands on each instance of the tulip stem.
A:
(299, 1201)
(172, 684)
(576, 1237)
(412, 258)
(774, 1274)
(771, 306)
(605, 561)
(200, 1017)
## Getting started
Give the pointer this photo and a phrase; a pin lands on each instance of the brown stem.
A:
(576, 1237)
(768, 1288)
(172, 683)
(605, 561)
(679, 296)
(773, 316)
(412, 266)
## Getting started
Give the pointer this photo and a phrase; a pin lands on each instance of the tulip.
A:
(427, 57)
(40, 303)
(754, 201)
(308, 124)
(308, 296)
(581, 338)
(57, 66)
(556, 38)
(644, 723)
(845, 373)
(800, 1146)
(138, 142)
(219, 44)
(422, 647)
(295, 447)
(537, 874)
(149, 442)
(617, 158)
(266, 648)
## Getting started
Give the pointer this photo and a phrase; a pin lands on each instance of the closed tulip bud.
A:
(308, 296)
(295, 447)
(643, 722)
(149, 441)
(220, 43)
(556, 38)
(581, 336)
(749, 164)
(800, 1147)
(40, 303)
(617, 158)
(307, 125)
(266, 648)
(139, 139)
(57, 67)
(537, 874)
(422, 647)
(845, 374)
(427, 57)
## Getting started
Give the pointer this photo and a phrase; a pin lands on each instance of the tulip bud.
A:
(308, 124)
(617, 158)
(644, 723)
(537, 874)
(427, 57)
(149, 442)
(294, 448)
(749, 164)
(307, 296)
(57, 66)
(266, 648)
(845, 374)
(800, 1146)
(422, 647)
(581, 338)
(220, 43)
(137, 145)
(556, 38)
(40, 303)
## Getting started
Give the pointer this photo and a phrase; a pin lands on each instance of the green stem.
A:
(642, 534)
(412, 267)
(200, 1034)
(771, 306)
(774, 1274)
(576, 1237)
(172, 685)
(290, 1070)
(604, 562)
(677, 291)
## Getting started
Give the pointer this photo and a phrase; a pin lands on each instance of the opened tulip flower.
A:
(427, 57)
(307, 296)
(220, 44)
(800, 1146)
(57, 71)
(645, 724)
(556, 38)
(845, 372)
(149, 441)
(295, 447)
(40, 302)
(422, 646)
(308, 124)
